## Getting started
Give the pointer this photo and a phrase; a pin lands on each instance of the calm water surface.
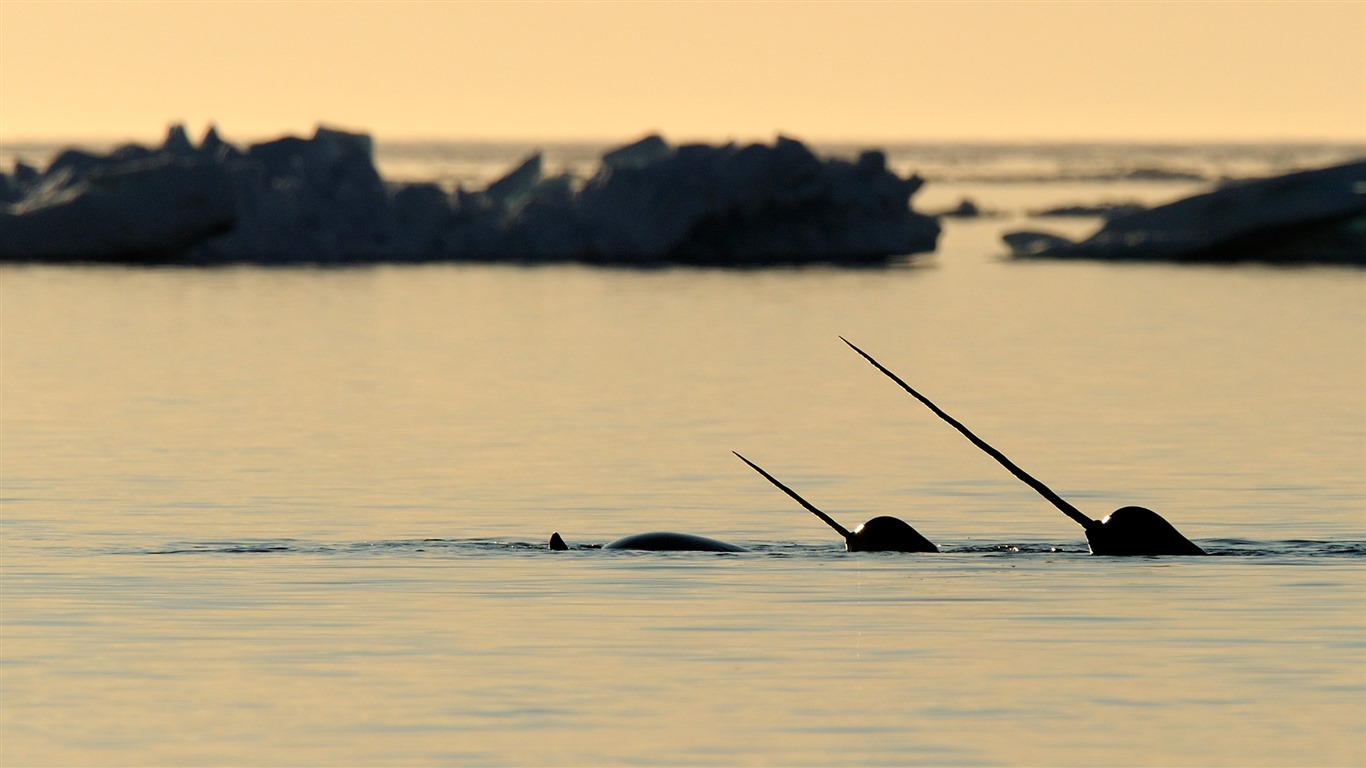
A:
(279, 517)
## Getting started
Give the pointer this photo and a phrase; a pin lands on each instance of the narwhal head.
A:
(1137, 531)
(887, 534)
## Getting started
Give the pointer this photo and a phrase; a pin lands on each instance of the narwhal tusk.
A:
(1025, 477)
(830, 521)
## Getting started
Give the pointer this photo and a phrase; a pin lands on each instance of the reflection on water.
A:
(277, 516)
(832, 553)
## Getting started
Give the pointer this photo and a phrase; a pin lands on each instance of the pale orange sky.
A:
(843, 70)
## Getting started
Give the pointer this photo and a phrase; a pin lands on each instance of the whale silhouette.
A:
(658, 541)
(881, 534)
(1126, 531)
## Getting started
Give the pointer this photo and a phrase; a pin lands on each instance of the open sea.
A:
(293, 517)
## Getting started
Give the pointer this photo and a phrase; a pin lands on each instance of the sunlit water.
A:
(298, 517)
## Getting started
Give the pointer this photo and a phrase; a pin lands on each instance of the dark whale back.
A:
(1130, 531)
(664, 541)
(887, 534)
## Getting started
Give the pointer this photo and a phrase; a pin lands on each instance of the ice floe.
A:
(1314, 216)
(321, 200)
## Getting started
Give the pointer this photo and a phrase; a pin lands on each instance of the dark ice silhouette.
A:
(1315, 216)
(321, 201)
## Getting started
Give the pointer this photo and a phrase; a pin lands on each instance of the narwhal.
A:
(1126, 531)
(881, 534)
(659, 541)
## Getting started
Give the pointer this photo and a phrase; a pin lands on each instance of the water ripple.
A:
(1294, 548)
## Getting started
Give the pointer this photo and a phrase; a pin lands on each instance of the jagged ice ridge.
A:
(321, 200)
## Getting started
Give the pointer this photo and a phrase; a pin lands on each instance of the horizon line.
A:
(683, 138)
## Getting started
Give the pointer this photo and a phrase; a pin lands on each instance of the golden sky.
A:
(884, 71)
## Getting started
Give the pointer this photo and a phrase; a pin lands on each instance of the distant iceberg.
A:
(1315, 216)
(322, 201)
